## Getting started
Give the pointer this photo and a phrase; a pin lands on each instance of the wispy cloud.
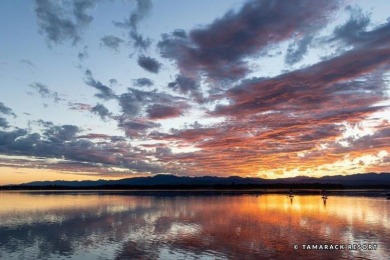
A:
(102, 111)
(131, 23)
(3, 122)
(105, 92)
(143, 82)
(112, 42)
(6, 110)
(63, 21)
(44, 91)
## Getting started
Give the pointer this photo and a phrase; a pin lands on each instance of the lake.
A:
(120, 225)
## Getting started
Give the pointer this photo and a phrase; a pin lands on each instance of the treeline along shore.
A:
(369, 181)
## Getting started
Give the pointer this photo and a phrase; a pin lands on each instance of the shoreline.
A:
(206, 192)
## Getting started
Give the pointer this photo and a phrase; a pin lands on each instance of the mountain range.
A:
(365, 179)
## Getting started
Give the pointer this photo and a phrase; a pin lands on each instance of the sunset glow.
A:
(115, 89)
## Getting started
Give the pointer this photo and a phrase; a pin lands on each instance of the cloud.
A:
(142, 10)
(3, 122)
(106, 93)
(60, 134)
(82, 55)
(297, 50)
(269, 123)
(149, 64)
(94, 136)
(74, 152)
(80, 7)
(289, 122)
(6, 110)
(186, 85)
(143, 82)
(219, 50)
(325, 83)
(132, 23)
(354, 30)
(98, 109)
(355, 34)
(163, 151)
(80, 106)
(159, 111)
(130, 104)
(113, 82)
(112, 42)
(134, 102)
(45, 92)
(61, 21)
(139, 41)
(136, 127)
(101, 110)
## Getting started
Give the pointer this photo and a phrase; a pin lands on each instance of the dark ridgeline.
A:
(367, 180)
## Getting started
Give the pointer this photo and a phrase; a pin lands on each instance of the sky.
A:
(112, 89)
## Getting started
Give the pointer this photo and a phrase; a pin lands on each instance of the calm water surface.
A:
(123, 226)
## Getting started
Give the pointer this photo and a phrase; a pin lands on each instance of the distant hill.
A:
(171, 181)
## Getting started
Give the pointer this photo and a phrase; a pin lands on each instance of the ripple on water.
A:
(185, 227)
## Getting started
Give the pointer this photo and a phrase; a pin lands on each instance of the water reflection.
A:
(120, 226)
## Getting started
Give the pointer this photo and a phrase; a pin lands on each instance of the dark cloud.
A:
(80, 8)
(3, 122)
(6, 110)
(220, 49)
(354, 33)
(354, 30)
(163, 151)
(44, 91)
(8, 138)
(112, 42)
(136, 127)
(180, 33)
(186, 85)
(46, 124)
(55, 142)
(130, 104)
(106, 93)
(60, 134)
(62, 21)
(101, 110)
(98, 109)
(149, 64)
(137, 102)
(143, 82)
(142, 10)
(315, 85)
(132, 23)
(134, 100)
(297, 50)
(159, 111)
(139, 42)
(81, 154)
